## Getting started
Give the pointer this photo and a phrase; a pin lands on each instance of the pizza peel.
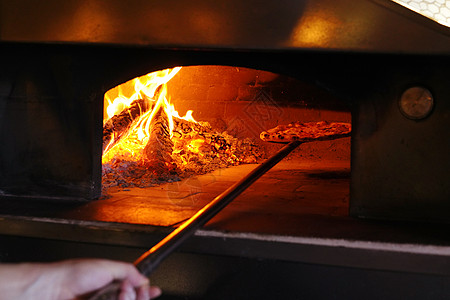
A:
(149, 261)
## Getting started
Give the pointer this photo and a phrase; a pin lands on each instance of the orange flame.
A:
(195, 145)
(145, 87)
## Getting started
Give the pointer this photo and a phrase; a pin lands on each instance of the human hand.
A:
(72, 278)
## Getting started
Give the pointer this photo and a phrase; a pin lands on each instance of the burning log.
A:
(159, 147)
(119, 124)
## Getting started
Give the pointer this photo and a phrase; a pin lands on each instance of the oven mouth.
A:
(230, 105)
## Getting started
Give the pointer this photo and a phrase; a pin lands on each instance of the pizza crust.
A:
(307, 132)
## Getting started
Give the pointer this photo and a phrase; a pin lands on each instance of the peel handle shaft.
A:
(148, 262)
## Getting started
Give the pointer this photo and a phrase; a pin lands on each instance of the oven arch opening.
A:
(237, 103)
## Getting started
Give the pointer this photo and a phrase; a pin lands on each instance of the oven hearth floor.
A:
(298, 211)
(280, 202)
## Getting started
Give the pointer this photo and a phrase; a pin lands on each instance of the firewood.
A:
(119, 124)
(159, 147)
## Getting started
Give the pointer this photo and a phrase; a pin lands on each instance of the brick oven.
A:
(362, 216)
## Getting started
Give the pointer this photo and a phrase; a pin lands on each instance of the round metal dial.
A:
(416, 103)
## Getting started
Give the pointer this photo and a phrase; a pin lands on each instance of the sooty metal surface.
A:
(346, 25)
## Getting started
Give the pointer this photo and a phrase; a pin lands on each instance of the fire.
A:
(146, 142)
(195, 145)
(144, 86)
(152, 89)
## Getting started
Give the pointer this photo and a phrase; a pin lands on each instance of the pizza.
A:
(307, 132)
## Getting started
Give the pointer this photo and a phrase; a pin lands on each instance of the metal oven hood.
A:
(356, 26)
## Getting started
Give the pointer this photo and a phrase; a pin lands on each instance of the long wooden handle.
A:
(148, 262)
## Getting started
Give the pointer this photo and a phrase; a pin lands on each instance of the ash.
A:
(196, 149)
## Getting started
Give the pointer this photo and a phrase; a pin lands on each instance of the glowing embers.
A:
(146, 142)
(438, 10)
